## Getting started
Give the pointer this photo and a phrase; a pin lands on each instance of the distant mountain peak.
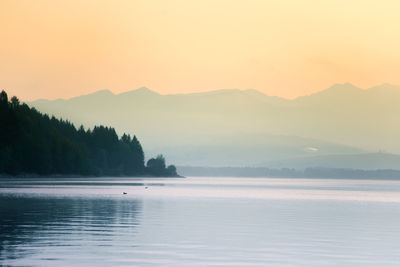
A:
(343, 86)
(103, 92)
(254, 92)
(140, 91)
(143, 89)
(336, 91)
(340, 89)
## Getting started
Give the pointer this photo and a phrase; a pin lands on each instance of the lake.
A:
(199, 222)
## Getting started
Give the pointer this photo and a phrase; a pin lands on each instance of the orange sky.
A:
(51, 48)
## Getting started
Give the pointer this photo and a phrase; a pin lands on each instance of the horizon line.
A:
(216, 90)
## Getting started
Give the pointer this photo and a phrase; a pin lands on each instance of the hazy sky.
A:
(51, 48)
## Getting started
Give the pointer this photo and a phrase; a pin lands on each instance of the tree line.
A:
(34, 143)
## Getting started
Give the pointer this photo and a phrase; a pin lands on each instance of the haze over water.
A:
(199, 222)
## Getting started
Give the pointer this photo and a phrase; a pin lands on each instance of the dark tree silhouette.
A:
(33, 143)
(156, 167)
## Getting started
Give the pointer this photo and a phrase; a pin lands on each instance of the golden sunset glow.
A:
(52, 49)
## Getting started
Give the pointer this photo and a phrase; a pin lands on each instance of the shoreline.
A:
(76, 176)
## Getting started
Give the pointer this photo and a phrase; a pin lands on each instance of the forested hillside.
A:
(34, 143)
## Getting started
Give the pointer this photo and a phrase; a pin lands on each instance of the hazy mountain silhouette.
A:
(244, 127)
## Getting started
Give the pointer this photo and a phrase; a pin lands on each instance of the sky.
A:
(60, 49)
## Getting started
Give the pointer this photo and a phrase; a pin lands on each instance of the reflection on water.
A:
(199, 222)
(65, 225)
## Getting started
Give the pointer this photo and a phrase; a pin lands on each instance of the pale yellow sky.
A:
(51, 49)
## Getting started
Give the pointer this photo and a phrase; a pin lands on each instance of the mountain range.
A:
(248, 128)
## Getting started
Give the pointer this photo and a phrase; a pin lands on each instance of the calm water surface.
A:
(199, 222)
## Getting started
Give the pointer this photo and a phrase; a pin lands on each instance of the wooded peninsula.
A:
(32, 143)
